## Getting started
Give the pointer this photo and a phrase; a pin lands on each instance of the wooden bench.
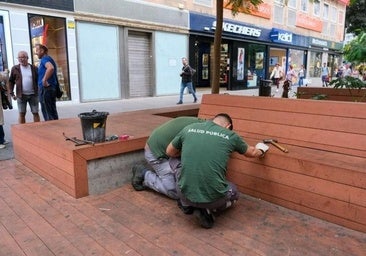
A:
(87, 169)
(324, 173)
(334, 94)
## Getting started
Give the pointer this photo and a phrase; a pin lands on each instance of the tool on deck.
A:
(275, 143)
(78, 142)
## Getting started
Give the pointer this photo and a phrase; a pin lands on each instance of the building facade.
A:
(116, 49)
(299, 33)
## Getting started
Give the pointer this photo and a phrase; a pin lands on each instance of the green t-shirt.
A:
(163, 135)
(205, 151)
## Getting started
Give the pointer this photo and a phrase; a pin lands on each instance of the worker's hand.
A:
(262, 147)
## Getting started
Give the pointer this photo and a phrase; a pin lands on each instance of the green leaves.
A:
(355, 51)
(348, 82)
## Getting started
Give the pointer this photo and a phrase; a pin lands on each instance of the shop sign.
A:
(304, 21)
(239, 29)
(345, 2)
(280, 36)
(318, 42)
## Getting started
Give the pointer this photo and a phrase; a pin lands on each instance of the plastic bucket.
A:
(93, 125)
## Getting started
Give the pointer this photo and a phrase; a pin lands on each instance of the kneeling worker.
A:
(161, 178)
(205, 149)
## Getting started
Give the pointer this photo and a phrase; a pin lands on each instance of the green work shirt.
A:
(163, 135)
(205, 150)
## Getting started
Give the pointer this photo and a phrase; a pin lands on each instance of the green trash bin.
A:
(93, 125)
(265, 88)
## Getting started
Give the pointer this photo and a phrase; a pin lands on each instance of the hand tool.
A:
(275, 143)
(78, 142)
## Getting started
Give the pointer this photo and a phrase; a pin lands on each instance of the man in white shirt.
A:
(24, 77)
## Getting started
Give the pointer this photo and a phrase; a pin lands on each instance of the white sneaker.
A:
(2, 146)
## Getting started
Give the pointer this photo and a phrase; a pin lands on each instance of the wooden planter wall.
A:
(339, 94)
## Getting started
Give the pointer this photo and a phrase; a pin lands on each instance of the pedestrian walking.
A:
(186, 82)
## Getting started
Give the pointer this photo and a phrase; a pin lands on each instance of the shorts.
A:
(32, 100)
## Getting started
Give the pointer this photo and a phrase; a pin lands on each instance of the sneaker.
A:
(2, 146)
(6, 142)
(138, 175)
(195, 100)
(179, 102)
(185, 209)
(204, 217)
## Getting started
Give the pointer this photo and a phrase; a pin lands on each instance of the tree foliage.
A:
(355, 51)
(355, 17)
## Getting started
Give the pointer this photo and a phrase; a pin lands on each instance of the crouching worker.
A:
(205, 149)
(158, 175)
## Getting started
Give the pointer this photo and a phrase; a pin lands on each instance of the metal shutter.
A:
(139, 64)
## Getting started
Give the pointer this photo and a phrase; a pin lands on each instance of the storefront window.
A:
(296, 58)
(256, 64)
(334, 63)
(3, 56)
(51, 31)
(314, 66)
(224, 62)
(277, 55)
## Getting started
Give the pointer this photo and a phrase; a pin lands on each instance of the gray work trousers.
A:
(220, 204)
(162, 179)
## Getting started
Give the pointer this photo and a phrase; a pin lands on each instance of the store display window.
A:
(3, 56)
(51, 31)
(315, 62)
(256, 64)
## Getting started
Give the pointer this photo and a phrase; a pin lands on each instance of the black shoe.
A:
(195, 100)
(185, 209)
(204, 217)
(179, 102)
(138, 174)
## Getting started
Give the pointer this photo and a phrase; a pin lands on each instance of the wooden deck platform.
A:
(80, 170)
(37, 218)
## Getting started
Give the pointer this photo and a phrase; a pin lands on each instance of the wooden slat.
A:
(294, 126)
(339, 94)
(43, 147)
(324, 172)
(317, 107)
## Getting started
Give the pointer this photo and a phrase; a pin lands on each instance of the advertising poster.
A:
(259, 60)
(240, 66)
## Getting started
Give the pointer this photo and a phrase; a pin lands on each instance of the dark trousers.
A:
(47, 98)
(2, 134)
